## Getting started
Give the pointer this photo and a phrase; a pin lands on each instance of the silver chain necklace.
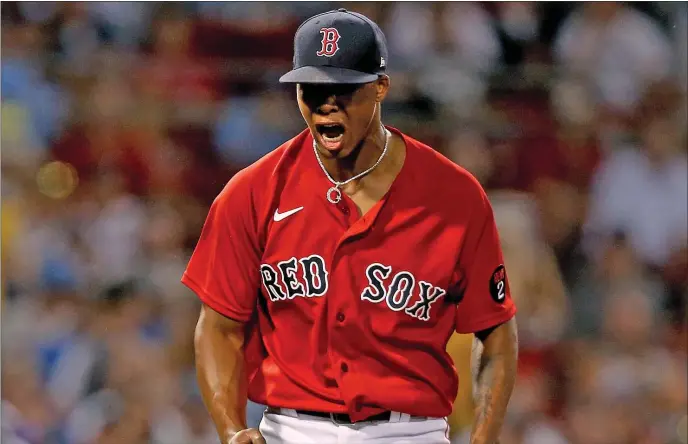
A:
(334, 190)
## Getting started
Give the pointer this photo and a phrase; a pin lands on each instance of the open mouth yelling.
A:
(331, 135)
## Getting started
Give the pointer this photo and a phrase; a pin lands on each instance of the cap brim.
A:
(327, 75)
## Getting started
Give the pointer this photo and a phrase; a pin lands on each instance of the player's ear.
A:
(381, 87)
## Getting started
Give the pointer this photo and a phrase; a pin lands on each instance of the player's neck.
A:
(363, 157)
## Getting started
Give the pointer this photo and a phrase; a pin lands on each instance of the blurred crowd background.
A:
(121, 121)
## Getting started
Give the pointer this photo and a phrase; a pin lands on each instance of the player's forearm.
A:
(221, 375)
(494, 376)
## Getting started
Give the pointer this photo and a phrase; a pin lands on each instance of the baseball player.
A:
(334, 270)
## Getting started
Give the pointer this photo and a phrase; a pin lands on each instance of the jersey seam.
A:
(207, 299)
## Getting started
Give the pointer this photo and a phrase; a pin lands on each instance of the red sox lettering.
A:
(284, 282)
(399, 291)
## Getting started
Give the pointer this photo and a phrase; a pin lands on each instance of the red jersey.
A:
(352, 314)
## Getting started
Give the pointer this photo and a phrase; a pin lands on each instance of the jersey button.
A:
(344, 209)
(345, 367)
(340, 317)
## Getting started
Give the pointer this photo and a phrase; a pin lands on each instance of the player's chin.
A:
(344, 152)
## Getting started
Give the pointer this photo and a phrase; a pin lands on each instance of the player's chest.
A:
(398, 259)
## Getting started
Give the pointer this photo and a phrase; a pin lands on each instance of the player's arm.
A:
(224, 272)
(487, 310)
(219, 343)
(493, 364)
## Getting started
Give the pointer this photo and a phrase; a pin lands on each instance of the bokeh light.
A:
(57, 180)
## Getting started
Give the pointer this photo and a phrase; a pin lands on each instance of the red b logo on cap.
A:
(329, 42)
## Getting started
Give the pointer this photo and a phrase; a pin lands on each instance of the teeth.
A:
(333, 139)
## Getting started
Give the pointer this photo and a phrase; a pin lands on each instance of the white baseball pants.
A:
(289, 427)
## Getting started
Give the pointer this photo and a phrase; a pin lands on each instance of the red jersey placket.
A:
(342, 306)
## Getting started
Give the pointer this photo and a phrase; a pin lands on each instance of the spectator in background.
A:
(112, 232)
(186, 425)
(78, 35)
(617, 48)
(618, 382)
(462, 32)
(569, 151)
(521, 33)
(100, 136)
(171, 75)
(19, 208)
(162, 241)
(28, 414)
(44, 254)
(33, 108)
(254, 16)
(556, 163)
(448, 47)
(530, 420)
(469, 148)
(166, 163)
(640, 191)
(615, 269)
(124, 23)
(533, 273)
(250, 126)
(139, 389)
(35, 12)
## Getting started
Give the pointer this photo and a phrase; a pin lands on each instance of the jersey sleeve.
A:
(481, 280)
(224, 268)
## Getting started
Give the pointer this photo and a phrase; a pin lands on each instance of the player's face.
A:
(341, 116)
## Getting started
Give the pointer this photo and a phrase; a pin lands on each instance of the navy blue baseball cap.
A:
(338, 47)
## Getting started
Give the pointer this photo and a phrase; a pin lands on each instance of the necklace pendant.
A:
(334, 195)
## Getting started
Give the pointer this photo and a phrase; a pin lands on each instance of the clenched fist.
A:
(247, 436)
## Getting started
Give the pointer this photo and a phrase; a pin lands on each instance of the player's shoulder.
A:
(251, 182)
(446, 176)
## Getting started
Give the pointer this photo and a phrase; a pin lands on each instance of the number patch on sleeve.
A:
(498, 285)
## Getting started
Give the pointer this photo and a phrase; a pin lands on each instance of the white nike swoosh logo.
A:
(281, 216)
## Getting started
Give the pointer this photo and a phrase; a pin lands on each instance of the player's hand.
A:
(247, 436)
